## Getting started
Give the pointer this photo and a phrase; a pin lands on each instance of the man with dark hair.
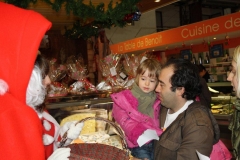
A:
(188, 126)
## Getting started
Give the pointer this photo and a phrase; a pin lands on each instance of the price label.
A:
(113, 71)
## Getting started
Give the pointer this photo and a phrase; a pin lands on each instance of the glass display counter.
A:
(61, 107)
(222, 109)
(222, 106)
(222, 102)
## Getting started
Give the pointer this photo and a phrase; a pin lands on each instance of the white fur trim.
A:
(3, 87)
(47, 139)
(49, 118)
(38, 113)
(46, 125)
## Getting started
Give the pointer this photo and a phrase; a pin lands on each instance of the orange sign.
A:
(219, 25)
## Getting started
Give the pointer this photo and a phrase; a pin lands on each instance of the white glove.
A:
(66, 127)
(147, 136)
(74, 130)
(60, 154)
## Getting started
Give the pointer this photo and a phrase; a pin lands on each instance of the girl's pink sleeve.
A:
(131, 128)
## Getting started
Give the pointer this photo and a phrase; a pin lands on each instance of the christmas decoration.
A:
(226, 40)
(136, 16)
(191, 45)
(205, 44)
(103, 17)
(209, 44)
(183, 45)
(129, 19)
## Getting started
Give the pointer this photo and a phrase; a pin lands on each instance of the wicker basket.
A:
(95, 151)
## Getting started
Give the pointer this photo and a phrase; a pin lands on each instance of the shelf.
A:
(219, 84)
(80, 96)
(86, 102)
(219, 64)
(78, 100)
(218, 73)
(223, 116)
(206, 64)
(224, 63)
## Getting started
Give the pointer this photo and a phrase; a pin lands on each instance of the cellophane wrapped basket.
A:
(96, 151)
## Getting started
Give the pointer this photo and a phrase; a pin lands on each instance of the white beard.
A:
(36, 92)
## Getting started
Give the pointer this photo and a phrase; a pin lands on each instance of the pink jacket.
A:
(220, 152)
(133, 122)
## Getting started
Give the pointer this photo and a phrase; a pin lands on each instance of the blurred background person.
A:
(234, 126)
(203, 72)
(205, 96)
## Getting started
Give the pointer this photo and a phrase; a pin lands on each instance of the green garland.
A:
(101, 18)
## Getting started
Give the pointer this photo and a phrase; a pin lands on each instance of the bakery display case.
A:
(223, 101)
(222, 109)
(223, 104)
(61, 107)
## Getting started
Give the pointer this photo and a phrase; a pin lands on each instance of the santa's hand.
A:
(60, 154)
(66, 127)
(74, 130)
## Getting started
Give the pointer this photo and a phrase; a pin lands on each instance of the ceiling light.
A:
(214, 38)
(157, 0)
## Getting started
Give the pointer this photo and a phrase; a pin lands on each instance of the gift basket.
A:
(57, 89)
(56, 73)
(119, 71)
(78, 71)
(113, 73)
(97, 151)
(130, 64)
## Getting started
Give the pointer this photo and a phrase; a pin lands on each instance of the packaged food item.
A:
(56, 71)
(56, 89)
(78, 71)
(100, 137)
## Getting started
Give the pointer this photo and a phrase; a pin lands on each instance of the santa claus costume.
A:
(21, 34)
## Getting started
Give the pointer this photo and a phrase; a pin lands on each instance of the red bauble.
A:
(128, 17)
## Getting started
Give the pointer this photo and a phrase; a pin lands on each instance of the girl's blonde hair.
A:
(236, 58)
(152, 65)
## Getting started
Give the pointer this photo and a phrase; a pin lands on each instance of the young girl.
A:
(137, 110)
